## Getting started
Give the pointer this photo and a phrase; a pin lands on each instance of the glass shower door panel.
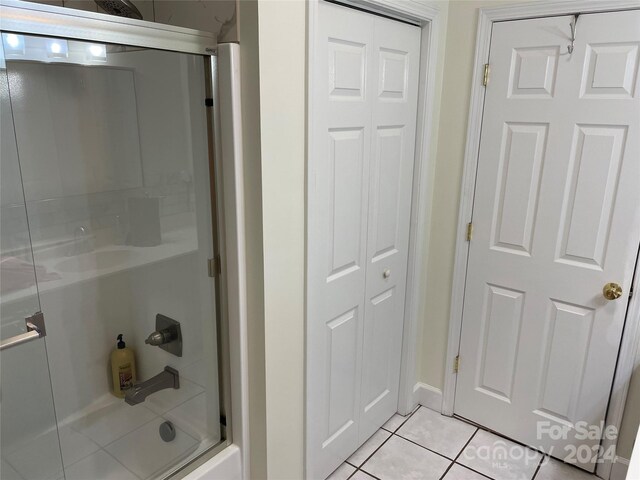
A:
(29, 441)
(113, 145)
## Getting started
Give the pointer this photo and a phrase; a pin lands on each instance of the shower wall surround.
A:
(216, 16)
(99, 133)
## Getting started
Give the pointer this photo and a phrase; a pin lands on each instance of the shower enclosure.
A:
(109, 224)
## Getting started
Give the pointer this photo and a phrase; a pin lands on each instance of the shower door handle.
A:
(35, 329)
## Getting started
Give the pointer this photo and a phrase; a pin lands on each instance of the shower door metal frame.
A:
(49, 20)
(226, 203)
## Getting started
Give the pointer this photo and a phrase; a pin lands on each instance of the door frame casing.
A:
(631, 335)
(428, 20)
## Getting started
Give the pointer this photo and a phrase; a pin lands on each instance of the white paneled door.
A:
(556, 217)
(364, 101)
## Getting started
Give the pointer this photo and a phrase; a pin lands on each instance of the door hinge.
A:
(469, 231)
(214, 266)
(485, 76)
(456, 364)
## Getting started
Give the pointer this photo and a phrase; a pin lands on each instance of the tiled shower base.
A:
(116, 441)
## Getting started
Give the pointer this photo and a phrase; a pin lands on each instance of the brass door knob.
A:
(611, 291)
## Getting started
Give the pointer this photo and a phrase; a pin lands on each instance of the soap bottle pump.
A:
(123, 368)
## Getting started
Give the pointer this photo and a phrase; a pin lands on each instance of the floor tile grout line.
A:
(179, 405)
(86, 456)
(374, 452)
(66, 467)
(468, 422)
(188, 399)
(404, 420)
(360, 470)
(370, 474)
(466, 444)
(444, 474)
(385, 441)
(478, 429)
(498, 434)
(504, 437)
(422, 446)
(83, 432)
(453, 462)
(104, 447)
(123, 465)
(473, 470)
(19, 471)
(539, 466)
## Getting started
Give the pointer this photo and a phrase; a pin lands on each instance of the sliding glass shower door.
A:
(27, 416)
(108, 229)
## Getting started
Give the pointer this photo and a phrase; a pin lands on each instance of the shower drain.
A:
(167, 431)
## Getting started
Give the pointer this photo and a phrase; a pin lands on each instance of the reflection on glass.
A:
(28, 428)
(112, 150)
(16, 263)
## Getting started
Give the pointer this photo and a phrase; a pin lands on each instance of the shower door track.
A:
(48, 20)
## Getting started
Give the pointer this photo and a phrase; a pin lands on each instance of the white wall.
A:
(250, 93)
(282, 129)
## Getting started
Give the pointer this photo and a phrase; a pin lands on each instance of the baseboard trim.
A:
(428, 396)
(619, 469)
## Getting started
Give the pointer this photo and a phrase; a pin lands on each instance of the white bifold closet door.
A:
(363, 100)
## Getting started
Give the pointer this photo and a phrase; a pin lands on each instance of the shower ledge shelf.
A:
(107, 260)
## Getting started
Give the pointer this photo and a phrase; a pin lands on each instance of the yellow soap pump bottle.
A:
(123, 368)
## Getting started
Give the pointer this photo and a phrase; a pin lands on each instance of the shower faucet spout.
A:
(168, 378)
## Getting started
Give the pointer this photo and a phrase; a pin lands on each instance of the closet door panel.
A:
(363, 101)
(396, 57)
(338, 200)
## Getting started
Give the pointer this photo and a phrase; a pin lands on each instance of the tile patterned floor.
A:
(428, 446)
